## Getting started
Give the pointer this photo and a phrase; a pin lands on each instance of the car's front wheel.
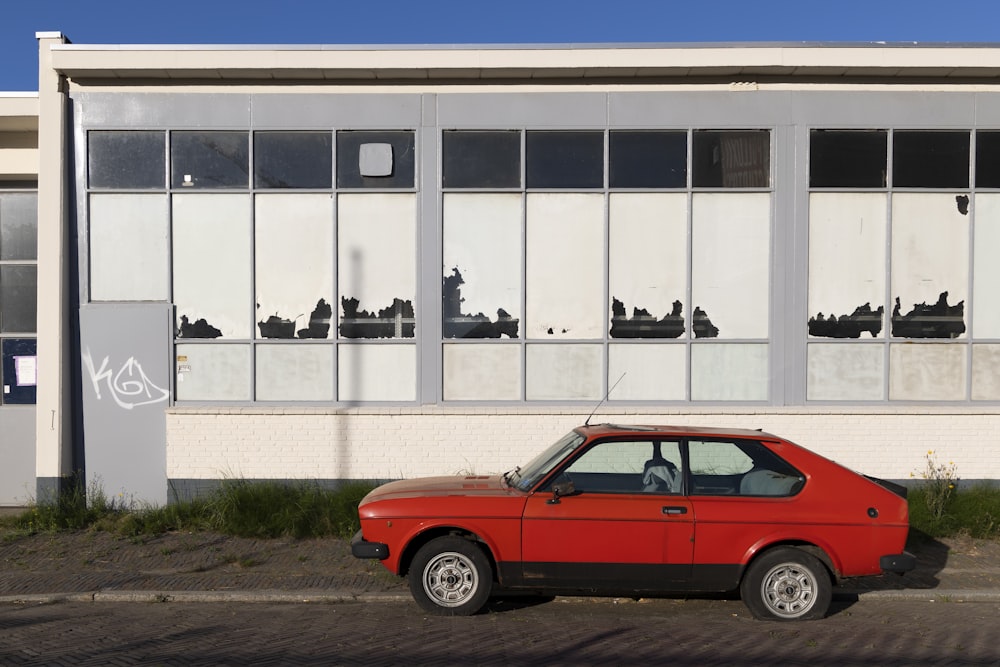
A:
(451, 576)
(787, 584)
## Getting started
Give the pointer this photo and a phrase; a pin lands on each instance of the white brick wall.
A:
(382, 443)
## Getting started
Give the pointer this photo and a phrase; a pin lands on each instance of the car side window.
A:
(740, 467)
(627, 466)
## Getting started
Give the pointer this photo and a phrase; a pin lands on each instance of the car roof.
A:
(672, 430)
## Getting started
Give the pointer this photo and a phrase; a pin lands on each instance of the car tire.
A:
(787, 584)
(451, 576)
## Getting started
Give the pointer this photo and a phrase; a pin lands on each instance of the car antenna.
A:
(601, 402)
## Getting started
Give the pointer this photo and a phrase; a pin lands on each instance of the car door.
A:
(619, 529)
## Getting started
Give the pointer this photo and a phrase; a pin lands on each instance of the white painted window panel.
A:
(648, 252)
(489, 372)
(839, 372)
(212, 256)
(647, 372)
(930, 250)
(377, 251)
(927, 372)
(213, 372)
(731, 261)
(986, 269)
(729, 372)
(564, 372)
(565, 265)
(986, 372)
(482, 239)
(377, 373)
(129, 247)
(847, 252)
(294, 372)
(294, 255)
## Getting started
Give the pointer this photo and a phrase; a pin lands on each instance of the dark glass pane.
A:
(848, 158)
(564, 159)
(725, 159)
(18, 225)
(481, 159)
(988, 159)
(119, 159)
(375, 159)
(648, 159)
(293, 159)
(18, 298)
(210, 159)
(930, 159)
(18, 370)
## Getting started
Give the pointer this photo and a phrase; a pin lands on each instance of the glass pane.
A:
(126, 159)
(648, 264)
(848, 159)
(213, 372)
(846, 372)
(212, 265)
(731, 265)
(293, 159)
(18, 226)
(648, 159)
(647, 372)
(18, 298)
(18, 371)
(294, 372)
(294, 265)
(563, 372)
(482, 372)
(564, 159)
(728, 159)
(847, 235)
(481, 159)
(128, 247)
(210, 159)
(987, 159)
(986, 270)
(986, 372)
(377, 373)
(927, 372)
(389, 159)
(930, 159)
(734, 372)
(376, 265)
(565, 256)
(930, 266)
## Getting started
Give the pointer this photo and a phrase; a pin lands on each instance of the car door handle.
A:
(674, 509)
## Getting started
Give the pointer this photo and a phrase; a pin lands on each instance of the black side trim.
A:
(362, 548)
(622, 578)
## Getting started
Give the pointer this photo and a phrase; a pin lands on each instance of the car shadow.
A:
(512, 601)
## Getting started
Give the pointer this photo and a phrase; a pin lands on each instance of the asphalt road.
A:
(563, 631)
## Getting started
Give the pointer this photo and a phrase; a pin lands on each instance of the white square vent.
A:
(375, 159)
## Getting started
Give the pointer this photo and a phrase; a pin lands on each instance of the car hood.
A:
(425, 487)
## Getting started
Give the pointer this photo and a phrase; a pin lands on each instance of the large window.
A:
(18, 295)
(621, 256)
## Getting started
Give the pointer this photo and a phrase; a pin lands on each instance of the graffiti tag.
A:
(130, 387)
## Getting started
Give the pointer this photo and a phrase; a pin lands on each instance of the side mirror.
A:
(559, 490)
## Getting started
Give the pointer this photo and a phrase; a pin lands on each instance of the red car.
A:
(639, 511)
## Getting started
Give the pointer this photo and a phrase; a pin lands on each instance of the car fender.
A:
(812, 544)
(422, 532)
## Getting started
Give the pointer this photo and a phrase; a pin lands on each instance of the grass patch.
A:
(972, 511)
(243, 508)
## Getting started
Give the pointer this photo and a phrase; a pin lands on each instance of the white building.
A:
(337, 263)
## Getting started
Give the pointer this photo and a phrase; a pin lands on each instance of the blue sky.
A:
(479, 22)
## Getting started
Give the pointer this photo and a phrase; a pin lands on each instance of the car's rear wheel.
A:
(787, 584)
(451, 576)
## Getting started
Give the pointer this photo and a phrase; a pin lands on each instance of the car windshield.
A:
(540, 466)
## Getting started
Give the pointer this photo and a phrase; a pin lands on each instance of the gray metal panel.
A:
(17, 451)
(126, 110)
(429, 268)
(988, 109)
(716, 109)
(126, 366)
(311, 111)
(904, 109)
(512, 110)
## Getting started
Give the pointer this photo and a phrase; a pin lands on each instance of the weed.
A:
(939, 484)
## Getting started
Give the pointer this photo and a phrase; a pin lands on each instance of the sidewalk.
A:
(207, 567)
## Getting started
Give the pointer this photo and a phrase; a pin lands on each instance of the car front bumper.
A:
(898, 563)
(362, 548)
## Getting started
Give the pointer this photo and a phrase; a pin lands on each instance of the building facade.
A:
(348, 263)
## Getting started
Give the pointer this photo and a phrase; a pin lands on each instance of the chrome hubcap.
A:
(450, 579)
(789, 590)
